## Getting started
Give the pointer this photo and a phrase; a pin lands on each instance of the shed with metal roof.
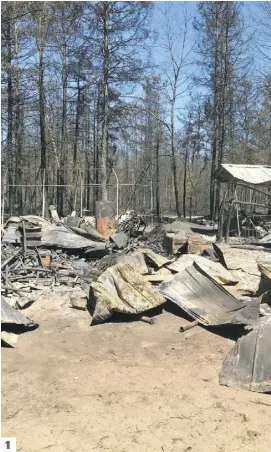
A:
(249, 174)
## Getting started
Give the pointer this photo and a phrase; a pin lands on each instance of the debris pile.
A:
(138, 269)
(131, 223)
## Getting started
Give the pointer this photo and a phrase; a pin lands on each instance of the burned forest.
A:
(136, 226)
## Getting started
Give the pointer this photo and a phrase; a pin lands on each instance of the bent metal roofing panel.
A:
(251, 174)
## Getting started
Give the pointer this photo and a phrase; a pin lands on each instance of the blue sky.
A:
(250, 10)
(251, 13)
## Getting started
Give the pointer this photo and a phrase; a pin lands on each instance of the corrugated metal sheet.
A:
(214, 269)
(251, 174)
(11, 315)
(248, 365)
(207, 301)
(122, 289)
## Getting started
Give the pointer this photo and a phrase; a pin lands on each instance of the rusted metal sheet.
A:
(206, 300)
(9, 315)
(250, 174)
(122, 289)
(214, 269)
(105, 218)
(248, 365)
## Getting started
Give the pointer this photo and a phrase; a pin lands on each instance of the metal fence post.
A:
(43, 193)
(117, 179)
(3, 199)
(151, 201)
(81, 194)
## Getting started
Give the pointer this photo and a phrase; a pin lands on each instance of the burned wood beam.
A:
(251, 204)
(252, 187)
(33, 269)
(10, 259)
(39, 257)
(24, 237)
(12, 289)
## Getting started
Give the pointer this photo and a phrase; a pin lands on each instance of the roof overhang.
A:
(250, 174)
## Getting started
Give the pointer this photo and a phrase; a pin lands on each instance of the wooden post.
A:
(221, 218)
(228, 221)
(238, 224)
(237, 217)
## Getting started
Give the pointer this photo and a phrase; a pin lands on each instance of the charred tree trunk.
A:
(223, 112)
(96, 147)
(10, 110)
(173, 157)
(18, 130)
(75, 146)
(42, 108)
(184, 182)
(61, 181)
(157, 175)
(215, 125)
(104, 149)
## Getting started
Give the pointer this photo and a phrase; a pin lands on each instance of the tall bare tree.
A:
(221, 50)
(175, 30)
(121, 30)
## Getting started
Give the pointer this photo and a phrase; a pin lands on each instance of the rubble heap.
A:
(140, 268)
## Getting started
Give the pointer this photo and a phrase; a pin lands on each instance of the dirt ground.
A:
(126, 386)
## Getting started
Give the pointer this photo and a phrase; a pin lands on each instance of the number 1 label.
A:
(8, 445)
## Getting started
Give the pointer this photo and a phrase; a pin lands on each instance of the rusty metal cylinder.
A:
(105, 218)
(188, 326)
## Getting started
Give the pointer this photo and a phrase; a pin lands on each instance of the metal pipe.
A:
(43, 194)
(75, 194)
(251, 204)
(151, 201)
(72, 185)
(117, 179)
(188, 326)
(81, 195)
(3, 200)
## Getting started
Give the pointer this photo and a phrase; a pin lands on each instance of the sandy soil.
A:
(125, 386)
